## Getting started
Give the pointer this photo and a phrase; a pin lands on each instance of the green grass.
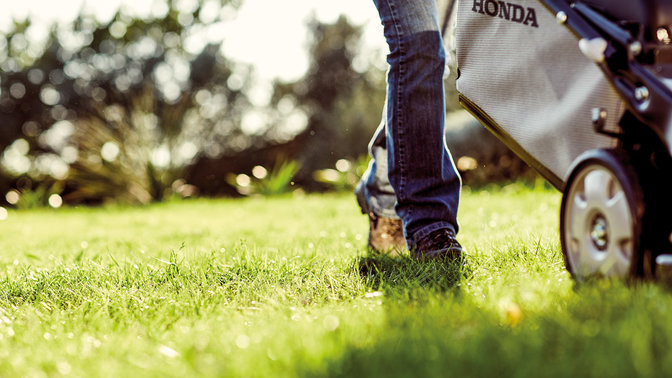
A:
(285, 287)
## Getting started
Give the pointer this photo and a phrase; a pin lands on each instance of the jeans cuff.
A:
(367, 204)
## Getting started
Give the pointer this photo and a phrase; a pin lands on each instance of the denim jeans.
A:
(412, 175)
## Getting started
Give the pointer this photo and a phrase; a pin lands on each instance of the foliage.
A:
(328, 115)
(277, 182)
(284, 287)
(280, 179)
(346, 174)
(116, 109)
(342, 97)
(33, 198)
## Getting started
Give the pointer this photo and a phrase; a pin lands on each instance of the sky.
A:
(270, 34)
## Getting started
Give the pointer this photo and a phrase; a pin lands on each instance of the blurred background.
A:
(148, 100)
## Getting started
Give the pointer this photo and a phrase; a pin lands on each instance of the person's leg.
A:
(374, 191)
(421, 172)
(376, 198)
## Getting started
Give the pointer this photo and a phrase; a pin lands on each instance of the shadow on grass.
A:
(608, 328)
(401, 274)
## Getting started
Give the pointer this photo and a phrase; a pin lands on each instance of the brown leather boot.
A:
(386, 235)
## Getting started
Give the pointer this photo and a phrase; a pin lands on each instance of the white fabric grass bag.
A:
(523, 76)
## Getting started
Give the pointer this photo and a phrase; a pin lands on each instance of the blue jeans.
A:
(412, 175)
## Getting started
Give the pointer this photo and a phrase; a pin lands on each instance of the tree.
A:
(343, 100)
(117, 110)
(329, 114)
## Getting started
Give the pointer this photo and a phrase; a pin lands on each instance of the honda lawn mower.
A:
(581, 91)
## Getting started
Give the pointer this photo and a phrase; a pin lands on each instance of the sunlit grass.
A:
(284, 287)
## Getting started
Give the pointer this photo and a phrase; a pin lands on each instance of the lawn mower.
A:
(582, 91)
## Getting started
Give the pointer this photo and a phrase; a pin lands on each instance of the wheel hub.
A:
(599, 232)
(599, 226)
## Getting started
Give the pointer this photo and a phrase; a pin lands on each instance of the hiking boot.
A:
(438, 244)
(386, 235)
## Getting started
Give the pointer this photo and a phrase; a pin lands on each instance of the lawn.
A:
(284, 287)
